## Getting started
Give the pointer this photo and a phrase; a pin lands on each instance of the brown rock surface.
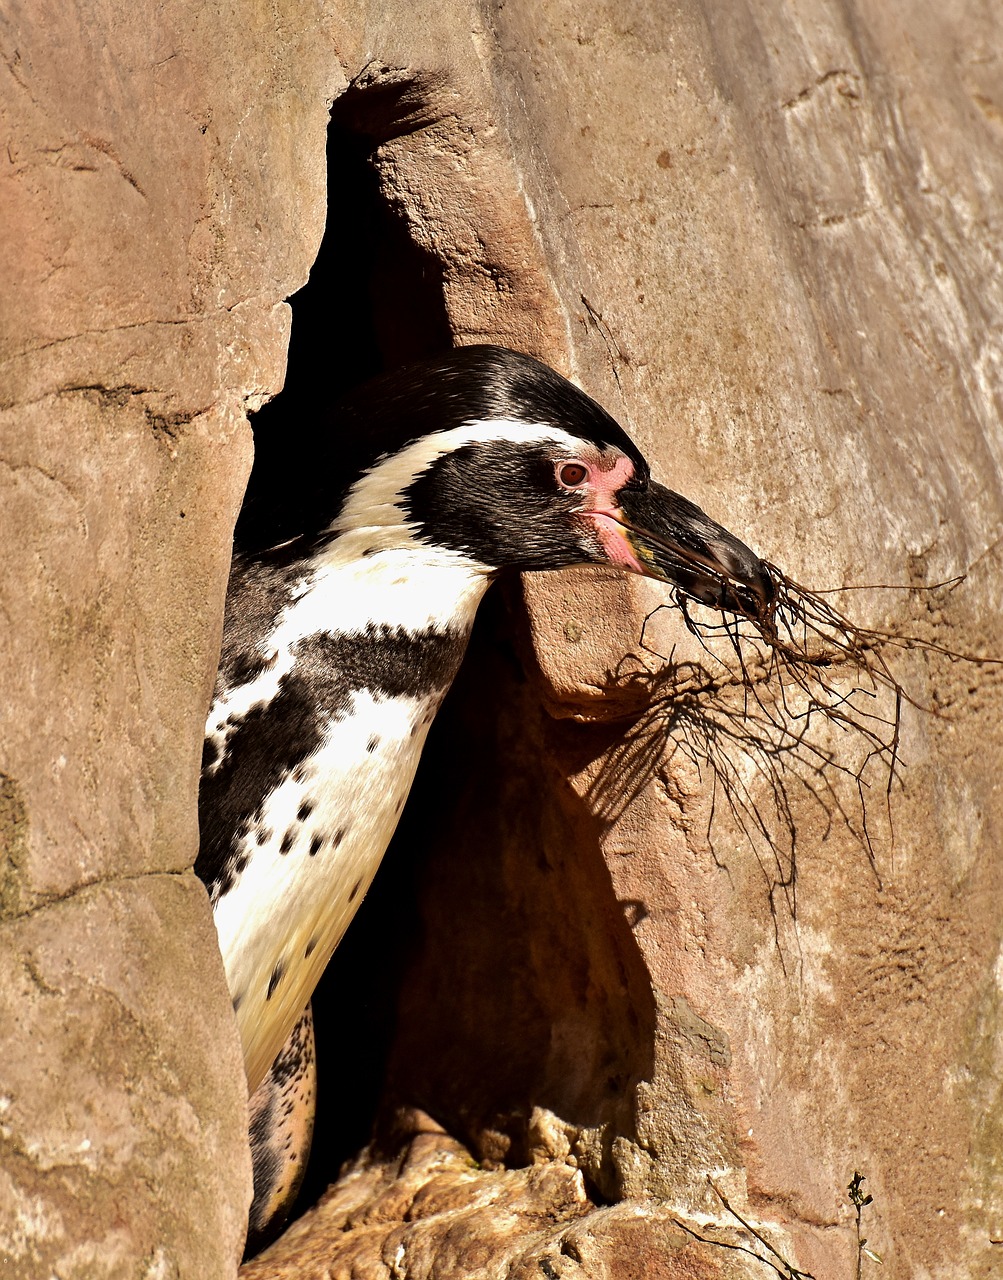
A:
(155, 216)
(101, 1111)
(796, 244)
(433, 1212)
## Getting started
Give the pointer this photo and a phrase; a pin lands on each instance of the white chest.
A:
(315, 739)
(311, 857)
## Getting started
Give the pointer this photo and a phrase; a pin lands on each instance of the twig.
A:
(859, 1201)
(790, 1272)
(806, 674)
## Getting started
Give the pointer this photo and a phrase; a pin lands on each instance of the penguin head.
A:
(489, 456)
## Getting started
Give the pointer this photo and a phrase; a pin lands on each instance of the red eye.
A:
(572, 474)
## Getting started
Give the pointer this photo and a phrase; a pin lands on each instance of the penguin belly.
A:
(308, 860)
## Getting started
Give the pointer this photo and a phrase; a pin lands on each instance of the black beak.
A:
(676, 542)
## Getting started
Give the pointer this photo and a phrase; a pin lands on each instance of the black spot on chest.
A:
(273, 740)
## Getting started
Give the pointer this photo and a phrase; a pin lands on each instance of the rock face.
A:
(433, 1213)
(667, 1031)
(154, 220)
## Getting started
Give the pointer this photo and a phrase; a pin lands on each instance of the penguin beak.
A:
(673, 541)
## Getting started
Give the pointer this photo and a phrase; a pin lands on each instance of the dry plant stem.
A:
(740, 1248)
(804, 669)
(616, 356)
(775, 1260)
(788, 1270)
(858, 1199)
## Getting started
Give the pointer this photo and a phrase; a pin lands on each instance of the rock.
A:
(156, 216)
(110, 1090)
(432, 1212)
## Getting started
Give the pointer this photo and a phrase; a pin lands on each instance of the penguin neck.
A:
(371, 578)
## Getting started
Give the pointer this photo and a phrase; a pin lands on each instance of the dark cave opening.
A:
(435, 998)
(373, 301)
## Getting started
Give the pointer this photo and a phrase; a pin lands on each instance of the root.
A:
(819, 713)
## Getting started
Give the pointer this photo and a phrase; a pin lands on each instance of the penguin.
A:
(340, 644)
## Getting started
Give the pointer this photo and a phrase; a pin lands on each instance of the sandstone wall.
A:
(157, 210)
(768, 239)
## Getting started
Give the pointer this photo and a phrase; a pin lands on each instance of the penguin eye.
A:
(572, 474)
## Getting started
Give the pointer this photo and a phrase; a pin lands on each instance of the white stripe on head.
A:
(376, 497)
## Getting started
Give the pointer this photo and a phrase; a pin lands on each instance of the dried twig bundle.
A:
(810, 703)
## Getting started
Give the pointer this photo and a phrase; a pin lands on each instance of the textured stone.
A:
(769, 241)
(109, 1090)
(432, 1212)
(156, 215)
(788, 222)
(423, 101)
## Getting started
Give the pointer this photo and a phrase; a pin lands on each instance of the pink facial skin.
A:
(607, 476)
(614, 542)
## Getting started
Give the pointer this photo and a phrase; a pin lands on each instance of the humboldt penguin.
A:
(340, 644)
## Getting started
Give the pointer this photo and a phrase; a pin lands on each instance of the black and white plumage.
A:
(340, 644)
